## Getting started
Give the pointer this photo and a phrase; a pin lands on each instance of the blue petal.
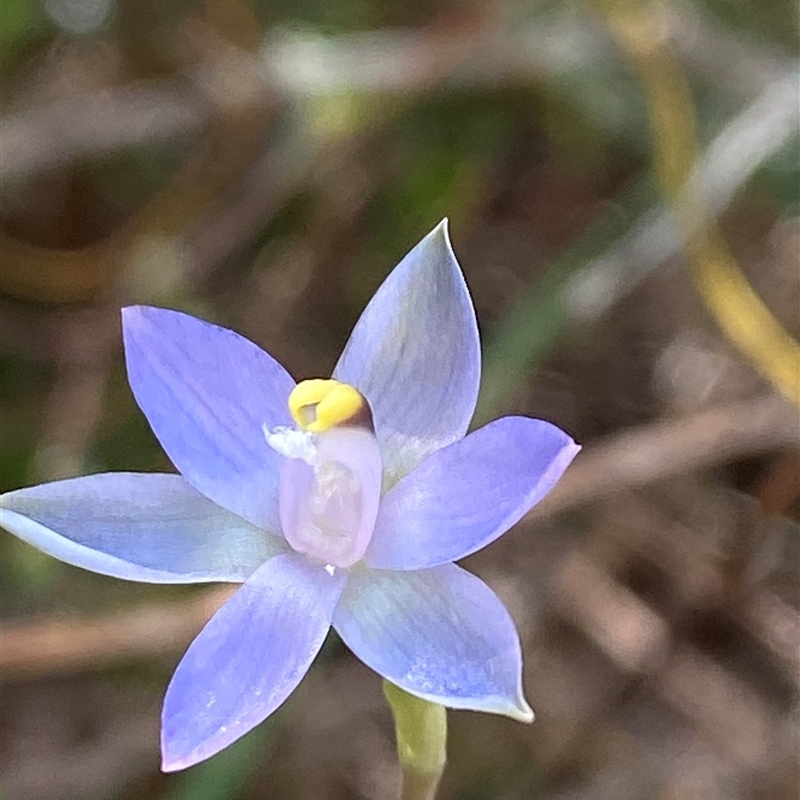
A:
(415, 355)
(468, 494)
(248, 659)
(142, 527)
(207, 392)
(440, 634)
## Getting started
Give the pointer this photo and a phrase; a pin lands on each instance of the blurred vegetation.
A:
(265, 165)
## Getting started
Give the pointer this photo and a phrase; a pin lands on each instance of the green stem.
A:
(421, 729)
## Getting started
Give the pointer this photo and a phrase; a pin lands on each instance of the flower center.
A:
(331, 475)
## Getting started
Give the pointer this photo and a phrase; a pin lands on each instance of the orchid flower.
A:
(335, 502)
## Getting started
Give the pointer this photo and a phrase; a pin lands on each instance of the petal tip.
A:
(441, 235)
(168, 765)
(170, 760)
(444, 227)
(132, 318)
(176, 752)
(521, 711)
(141, 312)
(171, 763)
(130, 313)
(572, 449)
(8, 516)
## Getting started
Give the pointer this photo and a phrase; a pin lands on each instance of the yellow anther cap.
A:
(320, 404)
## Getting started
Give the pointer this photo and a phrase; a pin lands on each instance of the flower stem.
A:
(421, 729)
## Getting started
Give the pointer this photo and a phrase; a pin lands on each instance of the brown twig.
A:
(33, 649)
(664, 449)
(96, 124)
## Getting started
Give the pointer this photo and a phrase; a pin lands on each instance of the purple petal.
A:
(141, 527)
(468, 494)
(248, 658)
(441, 634)
(207, 392)
(415, 355)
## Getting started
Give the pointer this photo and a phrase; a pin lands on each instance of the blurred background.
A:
(622, 179)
